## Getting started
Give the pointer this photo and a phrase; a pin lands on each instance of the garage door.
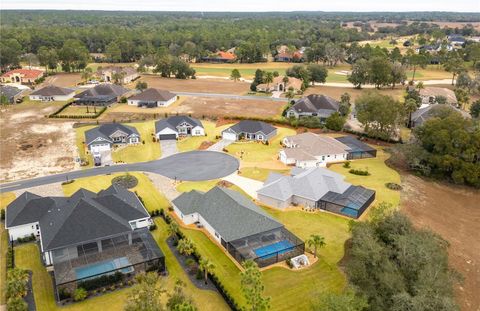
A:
(100, 147)
(229, 136)
(167, 136)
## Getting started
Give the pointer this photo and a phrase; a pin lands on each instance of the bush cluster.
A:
(359, 172)
(26, 239)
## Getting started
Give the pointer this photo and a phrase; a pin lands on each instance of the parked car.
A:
(97, 158)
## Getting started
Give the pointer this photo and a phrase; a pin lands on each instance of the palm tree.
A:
(268, 79)
(185, 247)
(207, 267)
(410, 107)
(285, 82)
(317, 241)
(87, 74)
(172, 229)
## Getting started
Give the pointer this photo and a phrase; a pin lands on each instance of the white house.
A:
(52, 93)
(126, 74)
(178, 126)
(151, 98)
(103, 137)
(312, 150)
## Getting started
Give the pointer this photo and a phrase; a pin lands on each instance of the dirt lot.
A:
(336, 92)
(63, 80)
(454, 213)
(221, 86)
(33, 145)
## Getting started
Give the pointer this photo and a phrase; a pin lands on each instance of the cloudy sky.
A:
(247, 5)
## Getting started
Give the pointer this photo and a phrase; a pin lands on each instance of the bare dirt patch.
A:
(33, 145)
(63, 80)
(454, 213)
(336, 92)
(220, 86)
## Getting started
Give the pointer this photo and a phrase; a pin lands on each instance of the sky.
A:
(247, 5)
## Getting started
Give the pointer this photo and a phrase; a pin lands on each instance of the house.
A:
(430, 94)
(238, 225)
(52, 93)
(313, 105)
(356, 148)
(317, 188)
(173, 127)
(11, 94)
(127, 74)
(278, 84)
(101, 95)
(250, 130)
(220, 57)
(105, 136)
(288, 57)
(21, 76)
(87, 235)
(431, 111)
(312, 150)
(151, 98)
(456, 40)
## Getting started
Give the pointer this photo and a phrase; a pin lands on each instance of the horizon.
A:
(247, 6)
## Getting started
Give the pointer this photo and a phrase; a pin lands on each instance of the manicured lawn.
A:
(81, 147)
(203, 186)
(145, 189)
(259, 173)
(258, 152)
(380, 175)
(80, 111)
(193, 143)
(5, 199)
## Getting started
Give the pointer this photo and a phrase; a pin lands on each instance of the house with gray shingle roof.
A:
(426, 113)
(125, 74)
(313, 105)
(86, 235)
(176, 126)
(240, 226)
(52, 93)
(317, 188)
(101, 95)
(11, 94)
(151, 98)
(250, 130)
(107, 135)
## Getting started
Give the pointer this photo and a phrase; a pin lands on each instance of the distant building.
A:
(279, 85)
(52, 93)
(151, 98)
(220, 57)
(107, 74)
(456, 40)
(313, 105)
(431, 111)
(101, 95)
(13, 95)
(21, 76)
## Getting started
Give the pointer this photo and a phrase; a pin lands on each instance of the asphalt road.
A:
(186, 166)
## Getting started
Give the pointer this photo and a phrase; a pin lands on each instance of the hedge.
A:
(56, 113)
(101, 281)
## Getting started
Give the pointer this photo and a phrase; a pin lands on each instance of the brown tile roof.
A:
(25, 73)
(226, 55)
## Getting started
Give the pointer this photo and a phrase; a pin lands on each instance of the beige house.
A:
(279, 85)
(21, 76)
(128, 74)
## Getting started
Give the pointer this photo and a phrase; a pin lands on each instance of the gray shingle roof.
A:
(52, 90)
(173, 122)
(435, 110)
(102, 90)
(10, 91)
(311, 184)
(152, 94)
(105, 130)
(230, 213)
(313, 103)
(82, 217)
(249, 126)
(308, 146)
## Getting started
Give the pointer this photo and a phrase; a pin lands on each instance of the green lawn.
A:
(380, 175)
(193, 143)
(139, 153)
(258, 152)
(259, 173)
(5, 199)
(203, 186)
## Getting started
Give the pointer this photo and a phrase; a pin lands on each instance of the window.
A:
(197, 132)
(260, 137)
(217, 235)
(323, 158)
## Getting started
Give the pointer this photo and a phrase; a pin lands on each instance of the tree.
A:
(317, 241)
(207, 267)
(178, 300)
(253, 288)
(290, 94)
(268, 78)
(395, 55)
(317, 73)
(79, 294)
(16, 304)
(235, 75)
(335, 122)
(344, 108)
(379, 72)
(48, 58)
(379, 114)
(463, 96)
(464, 81)
(416, 61)
(346, 301)
(141, 86)
(73, 55)
(475, 109)
(172, 230)
(10, 51)
(113, 52)
(87, 74)
(334, 54)
(185, 247)
(145, 295)
(410, 107)
(17, 280)
(359, 73)
(118, 77)
(440, 99)
(454, 64)
(398, 74)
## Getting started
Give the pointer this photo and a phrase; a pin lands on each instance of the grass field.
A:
(194, 142)
(258, 152)
(259, 173)
(5, 199)
(79, 111)
(380, 175)
(203, 186)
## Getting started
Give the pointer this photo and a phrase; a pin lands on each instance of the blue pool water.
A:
(103, 267)
(271, 250)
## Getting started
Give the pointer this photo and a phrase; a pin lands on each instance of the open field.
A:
(63, 79)
(247, 71)
(80, 110)
(33, 145)
(336, 92)
(220, 86)
(453, 212)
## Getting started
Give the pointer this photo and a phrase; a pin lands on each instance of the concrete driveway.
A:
(168, 148)
(250, 186)
(106, 156)
(218, 146)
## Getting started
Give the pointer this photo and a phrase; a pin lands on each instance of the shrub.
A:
(393, 186)
(2, 214)
(199, 275)
(64, 293)
(101, 281)
(68, 182)
(289, 263)
(79, 294)
(152, 227)
(346, 164)
(359, 172)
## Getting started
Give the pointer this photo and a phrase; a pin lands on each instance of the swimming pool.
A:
(271, 250)
(105, 267)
